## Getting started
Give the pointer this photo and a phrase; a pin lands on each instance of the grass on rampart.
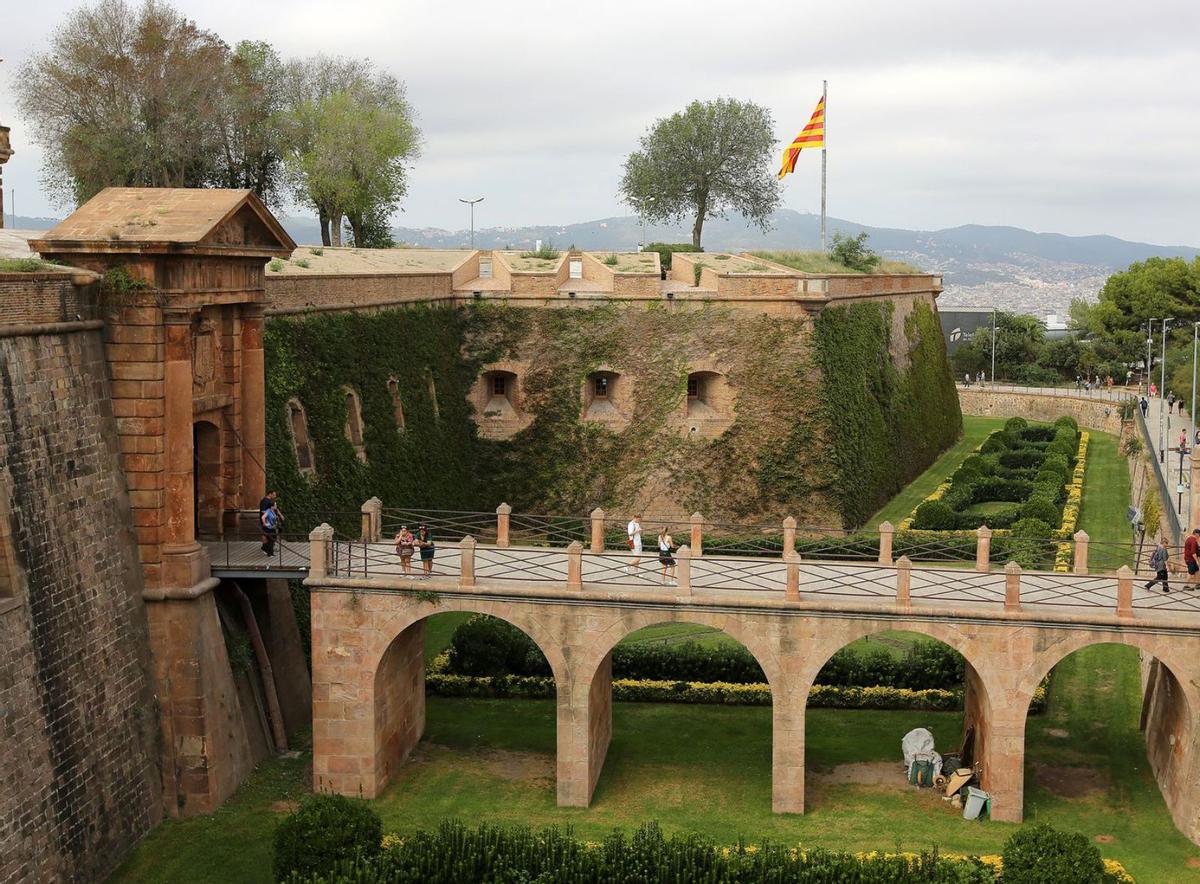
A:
(819, 262)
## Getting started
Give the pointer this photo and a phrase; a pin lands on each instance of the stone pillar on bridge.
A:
(1124, 592)
(887, 533)
(320, 539)
(372, 520)
(503, 515)
(789, 536)
(904, 583)
(683, 570)
(1012, 587)
(792, 586)
(575, 565)
(789, 702)
(1081, 551)
(983, 548)
(584, 732)
(597, 530)
(697, 539)
(466, 548)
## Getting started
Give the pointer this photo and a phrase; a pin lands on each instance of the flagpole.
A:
(824, 141)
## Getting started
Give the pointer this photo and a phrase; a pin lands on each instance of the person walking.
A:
(405, 547)
(966, 379)
(426, 545)
(1170, 401)
(1158, 564)
(1153, 389)
(634, 532)
(270, 501)
(270, 519)
(666, 545)
(1191, 547)
(1144, 404)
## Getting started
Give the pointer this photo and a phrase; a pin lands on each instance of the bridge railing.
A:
(234, 550)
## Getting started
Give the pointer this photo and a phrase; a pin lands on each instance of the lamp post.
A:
(471, 203)
(1162, 392)
(993, 343)
(1149, 357)
(1191, 441)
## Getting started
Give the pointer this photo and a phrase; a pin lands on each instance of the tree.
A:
(251, 100)
(711, 157)
(114, 101)
(852, 252)
(349, 135)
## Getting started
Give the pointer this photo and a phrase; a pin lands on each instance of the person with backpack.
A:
(269, 519)
(1158, 564)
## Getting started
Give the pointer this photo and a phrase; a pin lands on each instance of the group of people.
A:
(980, 378)
(666, 550)
(1160, 562)
(408, 544)
(270, 521)
(1086, 382)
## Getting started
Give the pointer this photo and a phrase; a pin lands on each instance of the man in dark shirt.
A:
(270, 502)
(1191, 547)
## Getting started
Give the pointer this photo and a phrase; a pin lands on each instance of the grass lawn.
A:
(975, 430)
(1105, 499)
(707, 769)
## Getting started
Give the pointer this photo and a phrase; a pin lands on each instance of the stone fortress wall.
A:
(78, 729)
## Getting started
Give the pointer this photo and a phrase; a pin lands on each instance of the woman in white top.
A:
(634, 530)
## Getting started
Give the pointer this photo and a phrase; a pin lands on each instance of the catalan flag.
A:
(812, 135)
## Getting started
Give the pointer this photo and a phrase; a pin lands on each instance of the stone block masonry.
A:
(79, 783)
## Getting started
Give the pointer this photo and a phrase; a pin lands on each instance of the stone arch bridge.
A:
(1011, 627)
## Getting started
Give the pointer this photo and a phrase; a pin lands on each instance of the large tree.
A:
(248, 119)
(699, 163)
(126, 96)
(349, 136)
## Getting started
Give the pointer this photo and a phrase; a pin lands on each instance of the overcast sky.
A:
(1074, 117)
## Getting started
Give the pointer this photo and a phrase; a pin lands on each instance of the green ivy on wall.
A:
(889, 423)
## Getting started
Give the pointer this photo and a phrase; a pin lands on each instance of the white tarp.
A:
(919, 743)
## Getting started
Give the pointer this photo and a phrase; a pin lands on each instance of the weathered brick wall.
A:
(29, 298)
(1099, 414)
(78, 726)
(296, 292)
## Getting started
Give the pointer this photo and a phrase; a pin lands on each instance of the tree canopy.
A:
(700, 163)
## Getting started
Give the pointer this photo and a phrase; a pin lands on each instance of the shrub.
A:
(489, 646)
(1022, 458)
(1069, 422)
(612, 260)
(934, 515)
(1041, 854)
(1058, 464)
(1041, 509)
(1031, 528)
(993, 444)
(1037, 434)
(275, 265)
(1013, 424)
(666, 249)
(982, 465)
(999, 488)
(1047, 477)
(853, 252)
(546, 252)
(325, 830)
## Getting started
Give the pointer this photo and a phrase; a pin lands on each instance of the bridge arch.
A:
(369, 680)
(586, 748)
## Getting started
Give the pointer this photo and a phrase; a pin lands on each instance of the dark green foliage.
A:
(993, 444)
(935, 515)
(490, 646)
(1040, 508)
(1024, 457)
(1015, 423)
(1059, 464)
(454, 854)
(666, 249)
(430, 464)
(1041, 854)
(876, 410)
(853, 252)
(324, 831)
(1068, 422)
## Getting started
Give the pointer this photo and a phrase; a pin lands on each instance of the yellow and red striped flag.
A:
(812, 135)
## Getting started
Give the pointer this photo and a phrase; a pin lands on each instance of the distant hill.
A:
(1007, 267)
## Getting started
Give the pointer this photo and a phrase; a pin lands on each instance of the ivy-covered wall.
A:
(888, 396)
(820, 412)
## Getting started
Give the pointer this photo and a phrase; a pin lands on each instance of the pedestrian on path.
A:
(270, 501)
(1145, 406)
(426, 545)
(634, 532)
(270, 519)
(666, 545)
(405, 547)
(1158, 564)
(1191, 547)
(1170, 401)
(1153, 389)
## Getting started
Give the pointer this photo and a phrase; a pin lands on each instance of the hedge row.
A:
(487, 646)
(454, 854)
(717, 693)
(1017, 465)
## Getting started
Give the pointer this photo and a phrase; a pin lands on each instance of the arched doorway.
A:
(208, 501)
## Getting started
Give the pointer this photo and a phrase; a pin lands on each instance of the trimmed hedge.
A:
(454, 854)
(325, 829)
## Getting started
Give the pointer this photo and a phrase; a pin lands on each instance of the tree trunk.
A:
(335, 232)
(323, 220)
(701, 211)
(355, 221)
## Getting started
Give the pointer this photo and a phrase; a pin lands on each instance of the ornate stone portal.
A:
(183, 302)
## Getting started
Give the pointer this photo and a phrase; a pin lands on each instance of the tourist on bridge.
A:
(405, 547)
(269, 501)
(1158, 564)
(1191, 547)
(634, 530)
(425, 543)
(666, 545)
(270, 519)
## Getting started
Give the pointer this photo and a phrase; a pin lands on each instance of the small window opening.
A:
(354, 423)
(600, 387)
(393, 386)
(300, 438)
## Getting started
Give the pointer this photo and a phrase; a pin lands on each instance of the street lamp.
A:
(472, 203)
(1191, 442)
(1149, 357)
(993, 344)
(642, 211)
(1162, 392)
